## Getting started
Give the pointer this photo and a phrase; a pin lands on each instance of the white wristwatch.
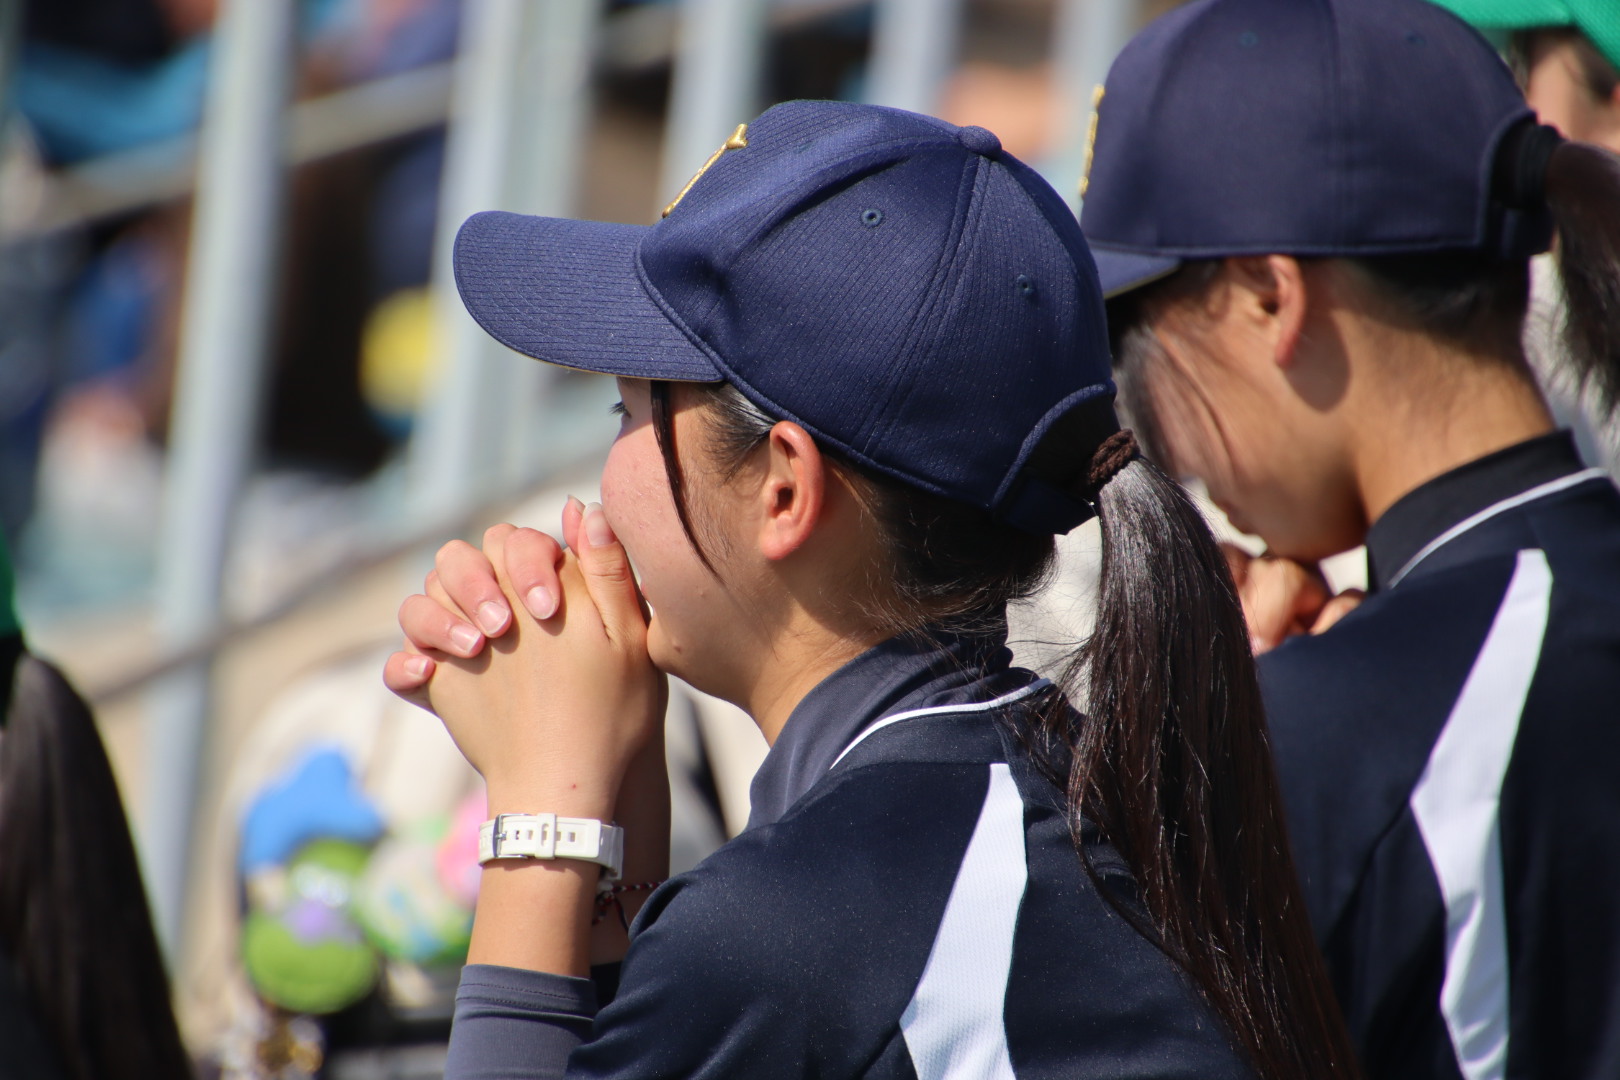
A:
(547, 836)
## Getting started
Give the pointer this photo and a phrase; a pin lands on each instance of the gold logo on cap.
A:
(738, 140)
(1091, 140)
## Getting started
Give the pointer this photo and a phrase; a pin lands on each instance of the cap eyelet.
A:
(1415, 38)
(871, 218)
(1248, 39)
(1025, 286)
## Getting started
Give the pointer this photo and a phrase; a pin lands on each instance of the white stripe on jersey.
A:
(954, 1026)
(1549, 488)
(940, 710)
(1456, 804)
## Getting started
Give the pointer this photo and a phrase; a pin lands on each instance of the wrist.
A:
(535, 914)
(567, 799)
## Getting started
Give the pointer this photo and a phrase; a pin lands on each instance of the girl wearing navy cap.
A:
(865, 380)
(1315, 219)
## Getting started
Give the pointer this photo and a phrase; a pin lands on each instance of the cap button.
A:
(980, 141)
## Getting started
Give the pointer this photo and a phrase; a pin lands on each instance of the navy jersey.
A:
(907, 902)
(1448, 760)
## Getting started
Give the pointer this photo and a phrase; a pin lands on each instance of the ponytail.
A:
(1174, 763)
(73, 913)
(1583, 193)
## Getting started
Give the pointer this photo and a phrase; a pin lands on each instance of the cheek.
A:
(625, 487)
(1193, 431)
(1555, 98)
(1213, 435)
(637, 502)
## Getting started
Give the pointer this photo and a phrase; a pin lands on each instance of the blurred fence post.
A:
(913, 52)
(549, 148)
(454, 447)
(719, 61)
(518, 116)
(1087, 35)
(10, 28)
(230, 284)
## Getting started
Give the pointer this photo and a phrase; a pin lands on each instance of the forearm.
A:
(535, 914)
(643, 811)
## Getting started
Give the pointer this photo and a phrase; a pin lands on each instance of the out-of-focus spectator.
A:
(1566, 54)
(96, 76)
(83, 990)
(90, 318)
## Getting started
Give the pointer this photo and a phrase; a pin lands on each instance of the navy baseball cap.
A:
(904, 289)
(1301, 127)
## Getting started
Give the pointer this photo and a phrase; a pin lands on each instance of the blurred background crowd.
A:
(239, 405)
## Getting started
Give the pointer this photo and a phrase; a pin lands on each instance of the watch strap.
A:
(547, 836)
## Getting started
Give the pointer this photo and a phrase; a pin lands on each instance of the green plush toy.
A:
(300, 943)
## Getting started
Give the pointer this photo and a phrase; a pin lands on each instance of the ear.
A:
(1275, 285)
(1291, 299)
(792, 492)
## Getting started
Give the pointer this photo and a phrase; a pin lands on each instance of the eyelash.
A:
(618, 409)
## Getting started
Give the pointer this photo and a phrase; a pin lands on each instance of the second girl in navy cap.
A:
(1315, 218)
(865, 380)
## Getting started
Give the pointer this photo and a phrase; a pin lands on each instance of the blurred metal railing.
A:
(1086, 37)
(131, 180)
(715, 84)
(352, 118)
(230, 279)
(521, 106)
(913, 51)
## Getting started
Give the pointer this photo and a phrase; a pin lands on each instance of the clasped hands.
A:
(535, 658)
(1282, 598)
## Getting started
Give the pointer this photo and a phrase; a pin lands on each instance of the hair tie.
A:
(1521, 165)
(1116, 452)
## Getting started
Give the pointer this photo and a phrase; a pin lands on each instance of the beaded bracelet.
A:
(610, 898)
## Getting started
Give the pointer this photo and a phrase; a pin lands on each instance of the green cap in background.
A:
(1599, 20)
(9, 623)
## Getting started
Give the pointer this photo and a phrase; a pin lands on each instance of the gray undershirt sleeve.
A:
(512, 1024)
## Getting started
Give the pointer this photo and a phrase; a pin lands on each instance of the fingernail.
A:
(465, 638)
(541, 604)
(575, 504)
(492, 617)
(597, 530)
(417, 667)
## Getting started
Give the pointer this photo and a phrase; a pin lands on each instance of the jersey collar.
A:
(913, 671)
(1439, 509)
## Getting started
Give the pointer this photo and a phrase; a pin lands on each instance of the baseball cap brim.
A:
(1121, 271)
(1595, 20)
(568, 292)
(1510, 14)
